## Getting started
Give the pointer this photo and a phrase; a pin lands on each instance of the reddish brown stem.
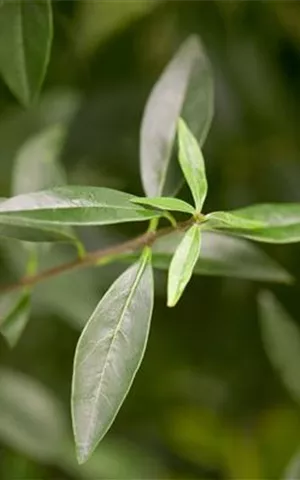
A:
(92, 258)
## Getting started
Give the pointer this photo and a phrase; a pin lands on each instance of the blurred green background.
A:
(206, 403)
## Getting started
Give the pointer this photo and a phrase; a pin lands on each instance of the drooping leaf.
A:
(272, 223)
(39, 216)
(109, 354)
(27, 411)
(192, 164)
(281, 338)
(25, 44)
(182, 264)
(221, 255)
(165, 203)
(184, 89)
(12, 325)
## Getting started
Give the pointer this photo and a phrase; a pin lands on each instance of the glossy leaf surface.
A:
(182, 264)
(192, 164)
(165, 203)
(185, 89)
(25, 44)
(275, 223)
(281, 338)
(109, 354)
(39, 216)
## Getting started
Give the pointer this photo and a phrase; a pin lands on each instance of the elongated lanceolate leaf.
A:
(272, 223)
(25, 44)
(109, 353)
(223, 255)
(39, 216)
(182, 264)
(185, 89)
(192, 164)
(226, 220)
(165, 203)
(281, 338)
(13, 324)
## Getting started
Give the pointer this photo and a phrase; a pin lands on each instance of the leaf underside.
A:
(184, 89)
(108, 355)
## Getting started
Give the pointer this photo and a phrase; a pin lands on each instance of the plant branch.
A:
(92, 258)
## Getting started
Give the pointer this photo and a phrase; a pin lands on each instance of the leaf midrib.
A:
(117, 329)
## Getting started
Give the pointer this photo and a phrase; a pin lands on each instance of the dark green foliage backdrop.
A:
(206, 403)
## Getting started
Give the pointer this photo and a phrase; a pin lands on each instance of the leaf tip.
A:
(82, 454)
(172, 301)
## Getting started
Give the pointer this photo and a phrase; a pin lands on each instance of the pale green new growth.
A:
(182, 264)
(192, 164)
(113, 342)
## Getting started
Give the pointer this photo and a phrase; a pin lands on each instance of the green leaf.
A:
(39, 216)
(25, 44)
(27, 411)
(109, 353)
(227, 220)
(13, 324)
(192, 164)
(223, 255)
(165, 203)
(182, 264)
(281, 338)
(184, 89)
(39, 156)
(272, 223)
